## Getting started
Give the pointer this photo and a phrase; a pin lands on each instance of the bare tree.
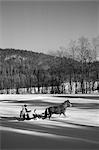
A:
(84, 57)
(73, 56)
(95, 42)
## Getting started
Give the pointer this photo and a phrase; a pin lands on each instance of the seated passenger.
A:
(24, 112)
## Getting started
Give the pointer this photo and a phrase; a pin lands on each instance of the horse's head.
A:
(67, 103)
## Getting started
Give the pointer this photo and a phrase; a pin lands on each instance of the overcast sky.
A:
(42, 25)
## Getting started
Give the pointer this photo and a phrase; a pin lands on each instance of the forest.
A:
(76, 66)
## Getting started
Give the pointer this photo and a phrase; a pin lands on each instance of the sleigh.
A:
(26, 116)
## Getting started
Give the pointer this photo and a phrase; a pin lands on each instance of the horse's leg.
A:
(64, 114)
(50, 113)
(45, 113)
(60, 114)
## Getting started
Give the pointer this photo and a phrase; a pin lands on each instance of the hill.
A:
(15, 56)
(26, 69)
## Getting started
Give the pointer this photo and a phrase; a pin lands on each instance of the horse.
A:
(59, 109)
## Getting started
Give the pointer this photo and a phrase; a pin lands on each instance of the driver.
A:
(24, 112)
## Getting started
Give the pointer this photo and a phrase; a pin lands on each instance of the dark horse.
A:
(59, 109)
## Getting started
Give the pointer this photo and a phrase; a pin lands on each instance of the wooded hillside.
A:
(27, 69)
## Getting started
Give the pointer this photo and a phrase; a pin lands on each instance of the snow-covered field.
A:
(84, 111)
(78, 130)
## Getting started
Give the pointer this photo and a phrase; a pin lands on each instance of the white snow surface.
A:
(74, 116)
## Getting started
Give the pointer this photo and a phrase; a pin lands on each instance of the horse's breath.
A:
(59, 109)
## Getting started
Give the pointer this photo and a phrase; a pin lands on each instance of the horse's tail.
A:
(45, 113)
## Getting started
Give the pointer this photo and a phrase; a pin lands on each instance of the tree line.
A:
(77, 65)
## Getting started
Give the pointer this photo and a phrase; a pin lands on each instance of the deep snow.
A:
(10, 106)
